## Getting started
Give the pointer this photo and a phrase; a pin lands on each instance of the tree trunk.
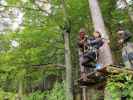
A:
(130, 11)
(68, 64)
(105, 56)
(69, 92)
(84, 93)
(20, 91)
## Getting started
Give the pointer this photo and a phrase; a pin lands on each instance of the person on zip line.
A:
(124, 40)
(89, 46)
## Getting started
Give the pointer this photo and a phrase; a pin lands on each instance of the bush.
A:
(57, 93)
(120, 86)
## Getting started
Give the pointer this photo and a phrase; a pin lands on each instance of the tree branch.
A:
(59, 66)
(11, 6)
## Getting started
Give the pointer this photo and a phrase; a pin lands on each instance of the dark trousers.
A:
(89, 59)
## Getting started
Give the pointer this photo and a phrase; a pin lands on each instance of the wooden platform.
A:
(93, 78)
(100, 76)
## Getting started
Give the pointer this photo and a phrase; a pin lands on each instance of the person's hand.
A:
(82, 41)
(106, 40)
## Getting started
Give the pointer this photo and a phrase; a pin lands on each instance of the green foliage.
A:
(114, 19)
(120, 86)
(57, 93)
(10, 95)
(41, 43)
(35, 96)
(12, 2)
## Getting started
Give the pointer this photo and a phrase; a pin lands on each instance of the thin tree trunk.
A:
(130, 10)
(68, 64)
(84, 92)
(105, 56)
(130, 13)
(69, 92)
(69, 89)
(20, 91)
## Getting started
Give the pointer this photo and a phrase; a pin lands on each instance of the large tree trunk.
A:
(69, 90)
(105, 56)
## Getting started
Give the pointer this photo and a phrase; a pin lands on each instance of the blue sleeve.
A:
(95, 41)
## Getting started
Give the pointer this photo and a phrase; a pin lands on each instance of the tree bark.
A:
(130, 13)
(69, 92)
(84, 92)
(105, 56)
(68, 64)
(20, 91)
(129, 10)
